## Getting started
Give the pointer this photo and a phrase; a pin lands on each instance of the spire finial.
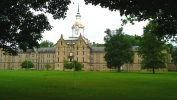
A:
(78, 9)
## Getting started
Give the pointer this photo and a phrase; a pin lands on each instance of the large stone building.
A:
(78, 48)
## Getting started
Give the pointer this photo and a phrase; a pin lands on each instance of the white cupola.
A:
(77, 28)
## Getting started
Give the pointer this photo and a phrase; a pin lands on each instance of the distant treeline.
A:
(131, 38)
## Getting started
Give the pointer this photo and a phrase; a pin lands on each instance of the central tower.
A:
(77, 28)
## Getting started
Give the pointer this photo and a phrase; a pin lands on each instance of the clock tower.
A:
(77, 28)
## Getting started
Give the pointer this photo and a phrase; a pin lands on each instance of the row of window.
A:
(61, 42)
(71, 48)
(71, 54)
(77, 59)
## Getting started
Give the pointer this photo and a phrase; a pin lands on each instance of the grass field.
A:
(59, 85)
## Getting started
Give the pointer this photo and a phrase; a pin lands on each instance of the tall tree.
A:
(163, 13)
(152, 49)
(118, 49)
(21, 28)
(46, 43)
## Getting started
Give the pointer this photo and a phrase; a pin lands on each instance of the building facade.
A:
(78, 48)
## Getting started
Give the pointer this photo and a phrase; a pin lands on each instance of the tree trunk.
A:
(119, 70)
(153, 69)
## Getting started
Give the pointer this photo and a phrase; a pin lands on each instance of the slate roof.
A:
(97, 49)
(93, 48)
(46, 49)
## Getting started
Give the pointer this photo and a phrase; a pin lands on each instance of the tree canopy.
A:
(27, 64)
(46, 43)
(21, 28)
(152, 49)
(132, 39)
(162, 13)
(47, 66)
(118, 49)
(74, 64)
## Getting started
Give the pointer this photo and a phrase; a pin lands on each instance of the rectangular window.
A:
(70, 54)
(77, 58)
(76, 52)
(58, 53)
(58, 65)
(97, 55)
(83, 48)
(63, 53)
(58, 59)
(77, 48)
(58, 48)
(83, 59)
(83, 52)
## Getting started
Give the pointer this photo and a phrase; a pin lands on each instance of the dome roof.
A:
(79, 24)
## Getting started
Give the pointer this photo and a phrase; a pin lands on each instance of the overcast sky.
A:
(94, 18)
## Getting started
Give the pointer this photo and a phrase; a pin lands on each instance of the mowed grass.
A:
(59, 85)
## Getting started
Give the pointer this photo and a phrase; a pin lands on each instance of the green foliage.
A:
(152, 49)
(163, 13)
(21, 28)
(47, 66)
(169, 47)
(27, 64)
(133, 41)
(46, 43)
(67, 64)
(130, 38)
(99, 45)
(78, 66)
(118, 49)
(74, 64)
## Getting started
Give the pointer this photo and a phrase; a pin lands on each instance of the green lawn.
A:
(59, 85)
